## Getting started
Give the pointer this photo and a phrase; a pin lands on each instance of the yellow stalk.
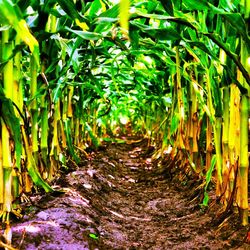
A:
(225, 141)
(55, 142)
(244, 116)
(7, 168)
(6, 148)
(243, 171)
(180, 142)
(70, 96)
(77, 132)
(194, 115)
(209, 144)
(33, 105)
(63, 135)
(55, 147)
(1, 175)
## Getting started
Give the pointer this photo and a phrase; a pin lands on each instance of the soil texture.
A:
(118, 199)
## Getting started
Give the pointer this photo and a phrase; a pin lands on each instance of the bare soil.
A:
(118, 199)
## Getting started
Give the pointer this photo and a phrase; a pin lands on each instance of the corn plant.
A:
(72, 72)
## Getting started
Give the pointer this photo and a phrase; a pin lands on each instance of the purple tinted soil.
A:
(119, 200)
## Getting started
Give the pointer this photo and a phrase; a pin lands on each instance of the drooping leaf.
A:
(168, 6)
(168, 33)
(217, 40)
(13, 124)
(203, 47)
(178, 18)
(32, 167)
(11, 15)
(237, 21)
(208, 180)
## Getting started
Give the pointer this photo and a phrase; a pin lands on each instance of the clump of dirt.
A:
(119, 200)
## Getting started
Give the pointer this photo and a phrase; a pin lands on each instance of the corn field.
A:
(73, 71)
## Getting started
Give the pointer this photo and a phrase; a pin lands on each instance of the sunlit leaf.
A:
(96, 8)
(11, 15)
(93, 236)
(124, 16)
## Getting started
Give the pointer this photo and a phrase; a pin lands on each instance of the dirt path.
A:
(117, 200)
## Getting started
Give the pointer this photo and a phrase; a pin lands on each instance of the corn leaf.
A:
(237, 21)
(168, 33)
(69, 141)
(168, 6)
(12, 123)
(32, 168)
(208, 180)
(95, 7)
(69, 7)
(11, 15)
(94, 139)
(195, 5)
(85, 34)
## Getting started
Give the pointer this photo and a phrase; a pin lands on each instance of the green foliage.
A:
(13, 124)
(93, 236)
(11, 15)
(208, 180)
(69, 140)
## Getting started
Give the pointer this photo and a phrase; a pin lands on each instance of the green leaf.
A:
(69, 140)
(174, 123)
(210, 171)
(85, 34)
(208, 180)
(112, 12)
(93, 236)
(69, 7)
(32, 167)
(237, 21)
(95, 7)
(94, 139)
(203, 47)
(168, 6)
(35, 175)
(11, 15)
(195, 5)
(205, 199)
(168, 33)
(179, 18)
(12, 123)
